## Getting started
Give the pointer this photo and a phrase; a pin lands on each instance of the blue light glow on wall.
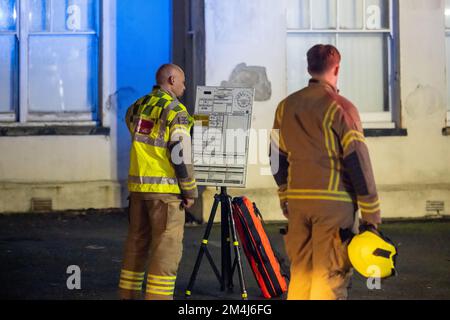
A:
(144, 42)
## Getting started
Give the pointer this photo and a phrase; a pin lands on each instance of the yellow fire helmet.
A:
(372, 254)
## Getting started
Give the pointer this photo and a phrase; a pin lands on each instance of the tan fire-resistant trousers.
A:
(320, 268)
(154, 244)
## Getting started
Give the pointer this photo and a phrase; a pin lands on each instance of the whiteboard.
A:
(221, 135)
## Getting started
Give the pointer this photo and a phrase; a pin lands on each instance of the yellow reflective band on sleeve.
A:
(370, 211)
(179, 126)
(236, 244)
(205, 241)
(187, 183)
(351, 137)
(369, 205)
(282, 195)
(182, 130)
(244, 295)
(188, 293)
(189, 188)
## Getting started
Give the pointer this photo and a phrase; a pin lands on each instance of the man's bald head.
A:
(171, 77)
(166, 71)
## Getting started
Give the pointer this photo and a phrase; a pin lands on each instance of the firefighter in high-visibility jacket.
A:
(161, 185)
(321, 164)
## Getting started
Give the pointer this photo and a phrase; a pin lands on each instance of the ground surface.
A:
(35, 251)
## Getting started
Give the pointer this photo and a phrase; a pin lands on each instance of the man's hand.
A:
(187, 203)
(372, 219)
(284, 207)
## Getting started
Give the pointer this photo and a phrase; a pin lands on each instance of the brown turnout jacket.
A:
(319, 152)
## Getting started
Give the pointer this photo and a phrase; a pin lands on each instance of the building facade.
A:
(69, 70)
(70, 78)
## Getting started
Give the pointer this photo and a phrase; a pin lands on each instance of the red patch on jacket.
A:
(145, 126)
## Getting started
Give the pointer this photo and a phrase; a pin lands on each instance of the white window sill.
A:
(48, 124)
(379, 125)
(53, 129)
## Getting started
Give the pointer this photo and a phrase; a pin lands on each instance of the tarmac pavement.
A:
(37, 249)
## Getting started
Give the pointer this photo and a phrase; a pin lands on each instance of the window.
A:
(362, 30)
(447, 40)
(50, 66)
(8, 60)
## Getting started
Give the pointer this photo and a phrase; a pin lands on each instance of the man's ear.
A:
(336, 70)
(171, 80)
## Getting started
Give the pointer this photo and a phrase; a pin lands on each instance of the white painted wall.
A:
(251, 32)
(409, 170)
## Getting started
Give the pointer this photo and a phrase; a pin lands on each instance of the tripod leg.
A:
(238, 261)
(204, 248)
(227, 279)
(213, 265)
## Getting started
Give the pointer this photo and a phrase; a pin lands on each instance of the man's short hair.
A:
(322, 57)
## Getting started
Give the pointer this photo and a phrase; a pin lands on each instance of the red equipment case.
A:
(263, 261)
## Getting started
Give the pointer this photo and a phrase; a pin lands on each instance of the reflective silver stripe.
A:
(149, 141)
(160, 141)
(165, 115)
(152, 180)
(162, 129)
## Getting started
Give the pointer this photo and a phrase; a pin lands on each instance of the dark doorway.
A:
(188, 48)
(188, 51)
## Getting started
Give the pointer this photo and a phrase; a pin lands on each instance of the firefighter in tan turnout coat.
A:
(321, 163)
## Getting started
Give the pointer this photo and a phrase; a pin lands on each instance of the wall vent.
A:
(435, 207)
(41, 205)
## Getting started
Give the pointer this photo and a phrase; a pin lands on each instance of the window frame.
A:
(21, 116)
(371, 120)
(10, 116)
(447, 49)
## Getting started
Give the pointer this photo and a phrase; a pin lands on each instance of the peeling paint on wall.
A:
(424, 101)
(244, 76)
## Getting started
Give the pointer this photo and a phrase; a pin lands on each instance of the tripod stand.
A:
(225, 278)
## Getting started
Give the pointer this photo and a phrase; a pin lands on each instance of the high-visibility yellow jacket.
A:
(160, 157)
